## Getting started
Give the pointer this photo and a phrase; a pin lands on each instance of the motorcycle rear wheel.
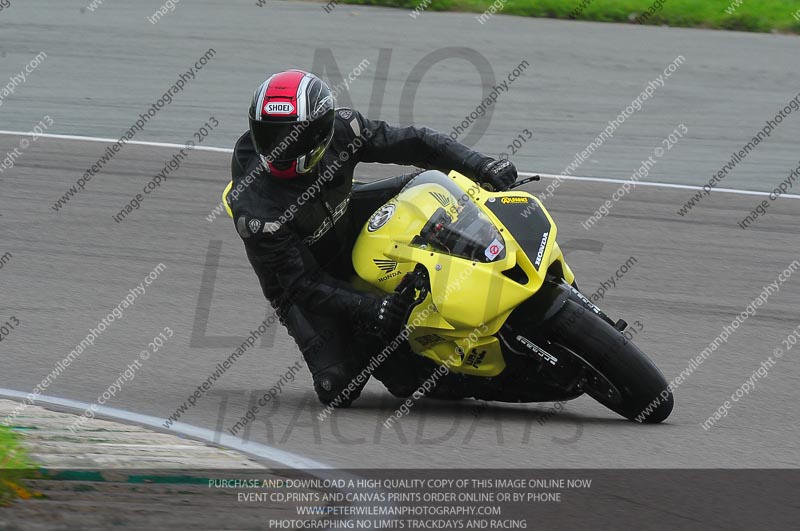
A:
(643, 394)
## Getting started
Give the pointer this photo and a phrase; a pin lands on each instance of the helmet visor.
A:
(283, 141)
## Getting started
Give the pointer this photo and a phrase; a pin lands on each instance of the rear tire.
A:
(643, 389)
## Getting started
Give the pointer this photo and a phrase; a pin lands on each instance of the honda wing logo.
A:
(387, 266)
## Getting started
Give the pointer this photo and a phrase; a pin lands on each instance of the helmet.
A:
(291, 122)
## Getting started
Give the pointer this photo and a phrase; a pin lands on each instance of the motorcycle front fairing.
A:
(485, 254)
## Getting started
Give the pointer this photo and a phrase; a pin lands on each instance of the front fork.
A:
(580, 298)
(536, 341)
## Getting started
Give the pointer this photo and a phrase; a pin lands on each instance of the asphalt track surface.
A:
(693, 274)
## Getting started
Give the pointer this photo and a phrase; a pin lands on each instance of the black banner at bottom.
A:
(404, 499)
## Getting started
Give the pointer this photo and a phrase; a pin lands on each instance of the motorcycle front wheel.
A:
(627, 381)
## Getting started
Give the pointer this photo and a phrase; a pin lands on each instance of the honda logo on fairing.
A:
(387, 266)
(542, 245)
(275, 107)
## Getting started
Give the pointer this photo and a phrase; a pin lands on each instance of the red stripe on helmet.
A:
(280, 98)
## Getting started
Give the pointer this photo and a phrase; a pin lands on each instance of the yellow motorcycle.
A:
(496, 303)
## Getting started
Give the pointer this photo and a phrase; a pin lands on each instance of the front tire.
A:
(643, 393)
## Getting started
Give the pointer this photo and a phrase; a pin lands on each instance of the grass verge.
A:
(742, 15)
(14, 466)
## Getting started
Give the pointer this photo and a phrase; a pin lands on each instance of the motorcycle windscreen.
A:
(458, 227)
(530, 226)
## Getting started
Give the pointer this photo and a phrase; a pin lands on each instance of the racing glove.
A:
(500, 174)
(383, 316)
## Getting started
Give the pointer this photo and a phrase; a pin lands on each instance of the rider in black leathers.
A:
(298, 214)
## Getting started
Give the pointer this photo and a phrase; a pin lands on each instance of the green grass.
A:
(751, 15)
(14, 465)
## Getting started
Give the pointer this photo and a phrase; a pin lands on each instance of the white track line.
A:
(179, 428)
(112, 140)
(522, 173)
(659, 185)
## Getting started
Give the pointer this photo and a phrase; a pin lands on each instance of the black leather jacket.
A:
(293, 229)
